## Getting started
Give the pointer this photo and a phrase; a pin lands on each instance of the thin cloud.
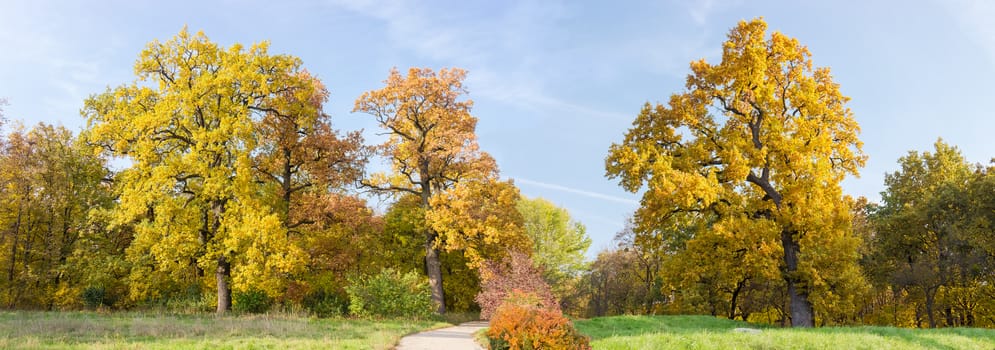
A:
(581, 192)
(478, 45)
(975, 17)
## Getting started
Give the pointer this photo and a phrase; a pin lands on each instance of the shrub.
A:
(94, 297)
(521, 323)
(390, 294)
(323, 304)
(515, 272)
(252, 301)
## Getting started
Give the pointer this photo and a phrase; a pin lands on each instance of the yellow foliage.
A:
(760, 137)
(189, 126)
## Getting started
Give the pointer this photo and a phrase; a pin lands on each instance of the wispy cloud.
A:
(975, 16)
(515, 31)
(64, 69)
(581, 192)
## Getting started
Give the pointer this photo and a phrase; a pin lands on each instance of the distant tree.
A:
(760, 139)
(649, 255)
(927, 235)
(613, 284)
(52, 183)
(559, 244)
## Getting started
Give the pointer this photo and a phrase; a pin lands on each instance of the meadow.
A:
(127, 330)
(706, 332)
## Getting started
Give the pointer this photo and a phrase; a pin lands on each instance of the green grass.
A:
(705, 332)
(88, 330)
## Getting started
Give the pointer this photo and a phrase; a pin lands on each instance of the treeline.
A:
(743, 215)
(233, 188)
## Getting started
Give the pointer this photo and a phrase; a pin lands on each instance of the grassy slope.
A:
(704, 332)
(74, 330)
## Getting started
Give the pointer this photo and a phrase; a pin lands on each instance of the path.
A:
(454, 338)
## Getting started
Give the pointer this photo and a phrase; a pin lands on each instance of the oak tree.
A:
(431, 146)
(189, 126)
(761, 136)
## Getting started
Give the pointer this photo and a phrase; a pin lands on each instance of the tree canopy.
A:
(762, 138)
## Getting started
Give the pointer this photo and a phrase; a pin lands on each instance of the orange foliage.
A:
(520, 323)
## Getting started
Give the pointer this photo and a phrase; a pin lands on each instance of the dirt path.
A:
(454, 338)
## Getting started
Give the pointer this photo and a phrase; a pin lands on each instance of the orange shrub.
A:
(520, 324)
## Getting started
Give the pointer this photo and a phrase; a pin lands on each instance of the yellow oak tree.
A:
(762, 135)
(432, 148)
(190, 127)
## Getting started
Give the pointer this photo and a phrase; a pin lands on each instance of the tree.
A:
(926, 239)
(613, 284)
(516, 272)
(559, 244)
(309, 164)
(190, 126)
(761, 136)
(52, 182)
(649, 254)
(431, 145)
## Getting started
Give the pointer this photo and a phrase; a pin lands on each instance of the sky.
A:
(554, 83)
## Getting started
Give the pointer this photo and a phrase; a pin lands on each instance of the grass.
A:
(89, 330)
(705, 332)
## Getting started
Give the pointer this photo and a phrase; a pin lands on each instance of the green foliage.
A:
(705, 332)
(324, 304)
(559, 245)
(390, 293)
(401, 246)
(931, 234)
(94, 297)
(252, 301)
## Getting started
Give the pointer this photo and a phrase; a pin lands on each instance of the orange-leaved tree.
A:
(761, 136)
(432, 148)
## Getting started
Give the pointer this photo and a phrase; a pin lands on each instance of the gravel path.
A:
(452, 338)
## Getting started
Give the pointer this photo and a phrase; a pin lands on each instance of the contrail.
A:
(577, 191)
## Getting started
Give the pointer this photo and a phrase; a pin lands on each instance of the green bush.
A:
(324, 304)
(390, 294)
(94, 297)
(251, 301)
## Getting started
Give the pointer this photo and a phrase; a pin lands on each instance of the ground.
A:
(706, 332)
(75, 330)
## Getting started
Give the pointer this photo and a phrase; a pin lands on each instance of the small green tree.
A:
(559, 245)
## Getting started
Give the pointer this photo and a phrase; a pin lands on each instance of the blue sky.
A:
(554, 82)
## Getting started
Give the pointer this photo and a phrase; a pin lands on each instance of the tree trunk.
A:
(433, 268)
(224, 289)
(930, 302)
(735, 297)
(802, 314)
(13, 246)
